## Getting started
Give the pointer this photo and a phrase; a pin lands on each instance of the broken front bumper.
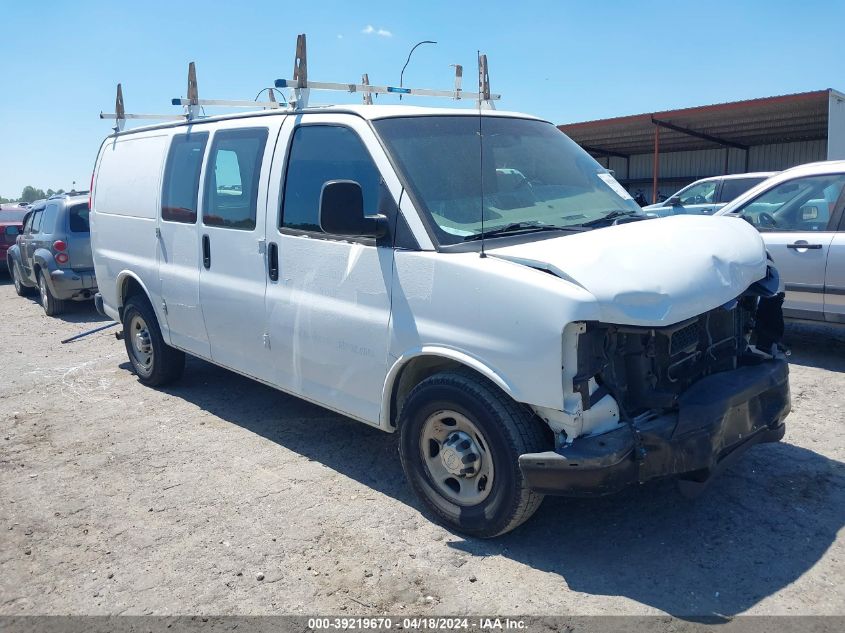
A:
(718, 418)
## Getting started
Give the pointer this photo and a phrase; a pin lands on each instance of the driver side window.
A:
(320, 153)
(800, 205)
(703, 193)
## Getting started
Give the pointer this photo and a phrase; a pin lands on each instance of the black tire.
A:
(51, 305)
(509, 431)
(166, 364)
(20, 288)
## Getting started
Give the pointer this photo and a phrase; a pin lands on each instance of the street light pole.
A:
(402, 74)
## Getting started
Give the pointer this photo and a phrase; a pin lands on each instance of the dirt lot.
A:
(116, 498)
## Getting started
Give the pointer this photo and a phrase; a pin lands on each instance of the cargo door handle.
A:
(273, 261)
(206, 252)
(797, 245)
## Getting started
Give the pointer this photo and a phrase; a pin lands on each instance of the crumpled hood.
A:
(653, 272)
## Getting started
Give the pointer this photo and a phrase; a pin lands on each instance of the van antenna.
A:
(482, 82)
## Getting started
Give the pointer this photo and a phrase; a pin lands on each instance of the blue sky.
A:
(565, 61)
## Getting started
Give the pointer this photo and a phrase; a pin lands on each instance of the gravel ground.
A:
(223, 496)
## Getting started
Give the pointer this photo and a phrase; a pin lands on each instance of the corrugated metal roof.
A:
(781, 119)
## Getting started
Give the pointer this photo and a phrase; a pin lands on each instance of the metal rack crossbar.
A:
(368, 89)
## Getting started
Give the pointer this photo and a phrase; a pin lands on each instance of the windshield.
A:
(532, 176)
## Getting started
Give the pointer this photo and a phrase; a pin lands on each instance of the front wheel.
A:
(154, 361)
(20, 288)
(460, 442)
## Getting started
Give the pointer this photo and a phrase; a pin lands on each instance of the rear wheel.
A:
(20, 289)
(460, 442)
(51, 305)
(154, 361)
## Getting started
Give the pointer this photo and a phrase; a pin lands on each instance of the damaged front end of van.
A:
(683, 400)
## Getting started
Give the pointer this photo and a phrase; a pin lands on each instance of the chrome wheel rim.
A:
(16, 278)
(140, 343)
(457, 458)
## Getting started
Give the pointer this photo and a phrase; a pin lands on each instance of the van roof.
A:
(369, 112)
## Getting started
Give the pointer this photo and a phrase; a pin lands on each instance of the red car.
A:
(11, 225)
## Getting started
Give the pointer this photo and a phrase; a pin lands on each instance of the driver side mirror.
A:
(342, 211)
(674, 201)
(12, 231)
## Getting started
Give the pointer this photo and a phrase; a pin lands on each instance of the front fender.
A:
(447, 353)
(12, 256)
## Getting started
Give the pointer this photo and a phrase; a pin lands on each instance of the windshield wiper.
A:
(516, 227)
(610, 217)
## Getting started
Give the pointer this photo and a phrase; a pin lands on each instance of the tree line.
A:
(31, 194)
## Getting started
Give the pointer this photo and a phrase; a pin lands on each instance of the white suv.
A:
(476, 282)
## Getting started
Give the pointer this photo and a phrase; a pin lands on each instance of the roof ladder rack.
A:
(193, 104)
(368, 98)
(485, 99)
(302, 86)
(459, 77)
(120, 116)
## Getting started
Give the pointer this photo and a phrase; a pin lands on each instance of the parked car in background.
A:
(799, 213)
(53, 252)
(11, 225)
(706, 196)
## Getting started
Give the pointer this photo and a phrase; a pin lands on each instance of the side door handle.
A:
(273, 261)
(802, 244)
(206, 252)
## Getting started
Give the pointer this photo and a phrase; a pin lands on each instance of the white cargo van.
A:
(473, 280)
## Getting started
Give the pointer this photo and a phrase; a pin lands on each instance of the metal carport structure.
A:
(771, 133)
